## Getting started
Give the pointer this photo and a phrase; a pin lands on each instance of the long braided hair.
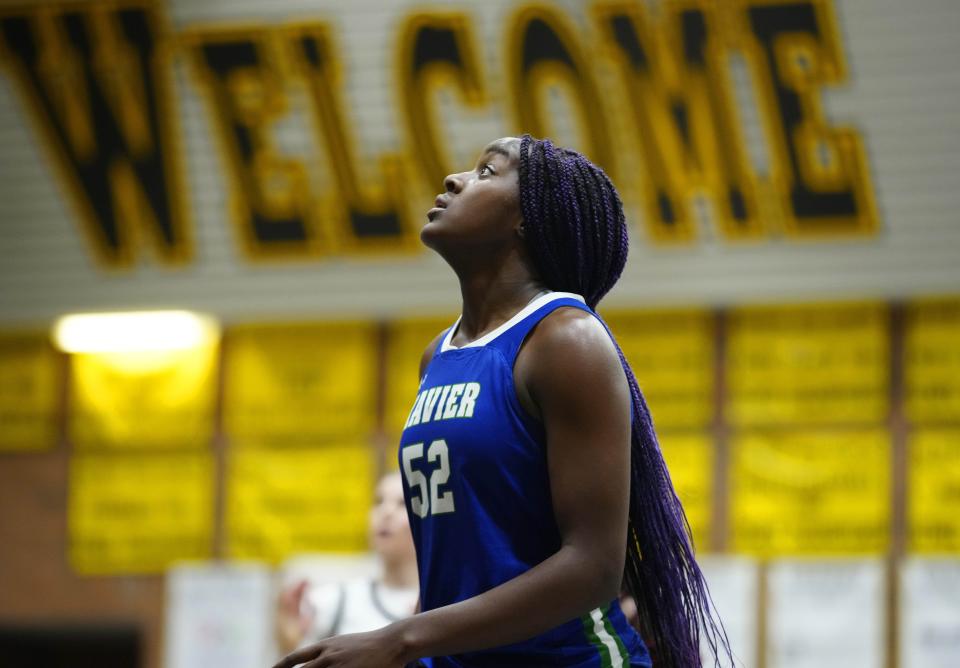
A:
(576, 236)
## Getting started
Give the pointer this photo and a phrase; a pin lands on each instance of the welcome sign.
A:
(95, 78)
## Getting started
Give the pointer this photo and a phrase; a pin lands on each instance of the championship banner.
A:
(300, 384)
(689, 458)
(672, 355)
(933, 505)
(28, 392)
(932, 360)
(143, 400)
(810, 492)
(281, 502)
(138, 513)
(408, 339)
(808, 364)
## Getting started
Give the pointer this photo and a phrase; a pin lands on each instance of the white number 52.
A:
(430, 500)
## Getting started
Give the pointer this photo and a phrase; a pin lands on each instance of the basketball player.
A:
(307, 614)
(533, 478)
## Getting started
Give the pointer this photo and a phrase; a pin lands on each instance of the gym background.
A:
(258, 172)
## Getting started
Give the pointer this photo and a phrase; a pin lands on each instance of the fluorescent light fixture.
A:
(133, 331)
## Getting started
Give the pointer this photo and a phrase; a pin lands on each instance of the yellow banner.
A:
(811, 492)
(284, 501)
(933, 506)
(143, 400)
(811, 364)
(689, 458)
(408, 339)
(300, 384)
(932, 365)
(28, 392)
(138, 513)
(672, 355)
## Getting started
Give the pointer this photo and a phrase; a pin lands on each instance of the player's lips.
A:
(439, 205)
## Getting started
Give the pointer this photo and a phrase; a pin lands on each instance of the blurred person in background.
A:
(307, 613)
(534, 482)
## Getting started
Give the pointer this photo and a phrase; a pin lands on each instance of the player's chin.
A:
(436, 232)
(382, 545)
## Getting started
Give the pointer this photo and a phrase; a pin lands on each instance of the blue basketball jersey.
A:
(475, 475)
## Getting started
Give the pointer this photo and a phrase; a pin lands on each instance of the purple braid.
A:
(576, 235)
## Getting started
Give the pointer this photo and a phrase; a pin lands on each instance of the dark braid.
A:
(576, 235)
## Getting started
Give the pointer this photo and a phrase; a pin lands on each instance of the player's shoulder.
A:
(429, 352)
(569, 330)
(329, 594)
(569, 343)
(570, 364)
(324, 596)
(357, 587)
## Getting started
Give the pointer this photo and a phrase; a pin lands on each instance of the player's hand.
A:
(376, 649)
(629, 608)
(293, 618)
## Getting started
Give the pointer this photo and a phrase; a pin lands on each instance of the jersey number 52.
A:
(433, 500)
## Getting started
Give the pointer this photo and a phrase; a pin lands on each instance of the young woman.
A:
(534, 482)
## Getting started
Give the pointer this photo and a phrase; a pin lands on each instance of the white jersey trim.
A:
(523, 313)
(616, 659)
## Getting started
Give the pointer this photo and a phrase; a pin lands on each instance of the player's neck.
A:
(400, 574)
(491, 296)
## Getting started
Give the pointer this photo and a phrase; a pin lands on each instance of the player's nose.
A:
(453, 183)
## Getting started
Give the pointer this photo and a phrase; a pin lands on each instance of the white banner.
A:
(930, 613)
(826, 614)
(219, 616)
(733, 586)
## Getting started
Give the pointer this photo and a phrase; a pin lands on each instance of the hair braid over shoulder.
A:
(576, 235)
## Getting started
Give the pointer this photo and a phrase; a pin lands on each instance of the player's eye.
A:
(485, 170)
